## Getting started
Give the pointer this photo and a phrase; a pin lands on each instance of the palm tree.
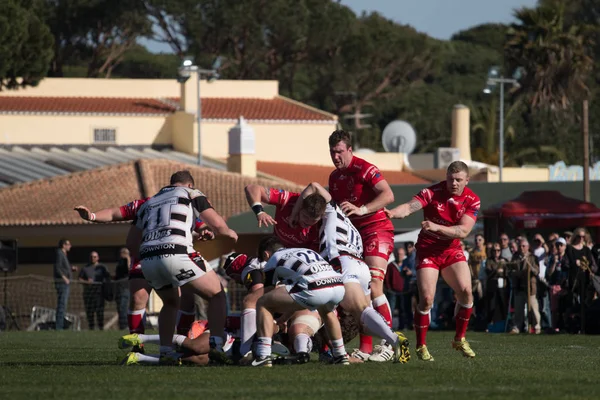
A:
(555, 58)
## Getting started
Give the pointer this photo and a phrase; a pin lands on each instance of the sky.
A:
(437, 18)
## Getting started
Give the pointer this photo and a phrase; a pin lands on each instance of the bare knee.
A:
(139, 299)
(465, 295)
(426, 302)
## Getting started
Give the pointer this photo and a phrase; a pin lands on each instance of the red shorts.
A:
(378, 243)
(135, 272)
(439, 259)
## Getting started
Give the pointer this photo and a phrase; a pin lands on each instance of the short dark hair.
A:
(270, 244)
(314, 205)
(407, 244)
(62, 242)
(182, 177)
(457, 166)
(340, 136)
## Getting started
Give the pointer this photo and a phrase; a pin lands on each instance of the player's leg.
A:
(166, 318)
(139, 290)
(277, 300)
(248, 321)
(206, 284)
(378, 246)
(458, 277)
(187, 311)
(301, 328)
(331, 297)
(427, 278)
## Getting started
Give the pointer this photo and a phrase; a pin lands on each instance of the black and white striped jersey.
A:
(252, 273)
(304, 268)
(167, 220)
(338, 235)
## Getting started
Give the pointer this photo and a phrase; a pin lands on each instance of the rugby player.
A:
(341, 245)
(161, 238)
(450, 210)
(302, 280)
(362, 193)
(139, 288)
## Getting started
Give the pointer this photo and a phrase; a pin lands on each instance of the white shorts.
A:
(173, 269)
(356, 271)
(329, 297)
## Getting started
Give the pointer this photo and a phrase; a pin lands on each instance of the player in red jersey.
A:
(305, 234)
(362, 192)
(450, 210)
(139, 288)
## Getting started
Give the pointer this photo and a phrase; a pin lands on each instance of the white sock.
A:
(263, 346)
(165, 349)
(301, 343)
(148, 358)
(149, 338)
(178, 339)
(337, 347)
(248, 329)
(377, 326)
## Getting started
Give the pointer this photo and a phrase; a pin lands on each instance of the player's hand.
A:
(350, 209)
(84, 212)
(265, 220)
(232, 234)
(430, 226)
(388, 213)
(203, 234)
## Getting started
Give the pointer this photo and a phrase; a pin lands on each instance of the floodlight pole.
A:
(199, 71)
(501, 81)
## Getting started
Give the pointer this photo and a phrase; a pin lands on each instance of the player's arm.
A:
(404, 210)
(459, 231)
(312, 188)
(383, 196)
(217, 223)
(256, 195)
(104, 215)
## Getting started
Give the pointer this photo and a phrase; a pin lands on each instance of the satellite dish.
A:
(399, 137)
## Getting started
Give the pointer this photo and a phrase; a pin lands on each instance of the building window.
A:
(105, 135)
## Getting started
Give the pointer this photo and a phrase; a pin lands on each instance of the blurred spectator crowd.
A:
(520, 284)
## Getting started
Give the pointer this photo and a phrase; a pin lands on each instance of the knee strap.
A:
(377, 273)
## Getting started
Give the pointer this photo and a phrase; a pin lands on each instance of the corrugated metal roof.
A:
(20, 164)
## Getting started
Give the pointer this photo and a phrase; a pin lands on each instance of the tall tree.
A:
(96, 33)
(25, 44)
(556, 58)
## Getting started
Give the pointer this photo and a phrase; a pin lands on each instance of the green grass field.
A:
(71, 365)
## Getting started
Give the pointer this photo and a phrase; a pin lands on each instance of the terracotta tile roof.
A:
(83, 105)
(51, 201)
(304, 174)
(278, 108)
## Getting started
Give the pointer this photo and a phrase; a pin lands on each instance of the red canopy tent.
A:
(546, 209)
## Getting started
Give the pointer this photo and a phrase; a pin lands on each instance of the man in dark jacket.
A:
(62, 281)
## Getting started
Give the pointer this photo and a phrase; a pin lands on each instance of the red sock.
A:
(135, 320)
(366, 344)
(421, 322)
(185, 321)
(381, 305)
(462, 320)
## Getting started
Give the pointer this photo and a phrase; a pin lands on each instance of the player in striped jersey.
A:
(341, 246)
(162, 239)
(249, 271)
(139, 288)
(303, 281)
